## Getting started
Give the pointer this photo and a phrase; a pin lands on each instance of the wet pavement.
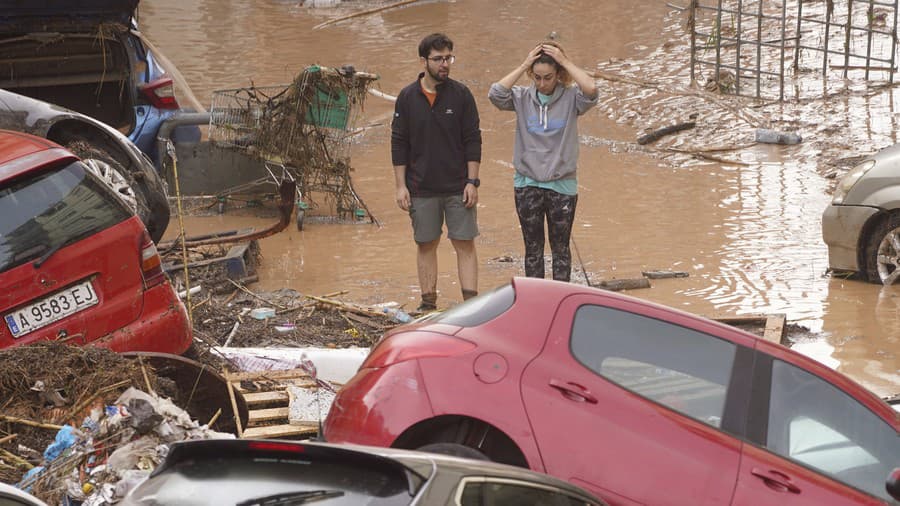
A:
(748, 232)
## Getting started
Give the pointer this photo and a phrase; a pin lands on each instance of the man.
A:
(436, 153)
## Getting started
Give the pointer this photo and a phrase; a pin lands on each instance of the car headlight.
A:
(850, 179)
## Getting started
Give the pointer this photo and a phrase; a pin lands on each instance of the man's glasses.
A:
(442, 59)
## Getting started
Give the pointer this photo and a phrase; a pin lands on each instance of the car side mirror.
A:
(893, 483)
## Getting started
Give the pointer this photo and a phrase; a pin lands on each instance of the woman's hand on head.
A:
(554, 52)
(532, 56)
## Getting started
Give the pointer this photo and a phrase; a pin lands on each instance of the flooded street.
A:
(748, 232)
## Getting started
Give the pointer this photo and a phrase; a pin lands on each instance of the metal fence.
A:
(759, 47)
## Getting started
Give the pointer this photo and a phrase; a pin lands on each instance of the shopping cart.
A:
(306, 127)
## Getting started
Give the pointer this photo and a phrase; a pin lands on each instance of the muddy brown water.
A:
(747, 232)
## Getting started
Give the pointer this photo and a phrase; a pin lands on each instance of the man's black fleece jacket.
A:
(435, 143)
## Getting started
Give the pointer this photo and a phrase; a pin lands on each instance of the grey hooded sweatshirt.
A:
(546, 147)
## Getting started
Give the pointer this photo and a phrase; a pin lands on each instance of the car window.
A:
(816, 424)
(477, 310)
(11, 501)
(687, 371)
(266, 480)
(497, 492)
(51, 209)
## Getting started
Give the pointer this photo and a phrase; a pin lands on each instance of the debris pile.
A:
(75, 425)
(287, 318)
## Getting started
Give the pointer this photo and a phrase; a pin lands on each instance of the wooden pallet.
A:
(774, 324)
(267, 403)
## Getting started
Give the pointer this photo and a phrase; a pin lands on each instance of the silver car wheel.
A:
(888, 257)
(114, 179)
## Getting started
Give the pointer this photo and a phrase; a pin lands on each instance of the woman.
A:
(546, 150)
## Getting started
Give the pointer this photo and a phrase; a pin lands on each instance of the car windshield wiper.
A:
(285, 498)
(47, 254)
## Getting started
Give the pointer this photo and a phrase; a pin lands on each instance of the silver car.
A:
(862, 225)
(247, 472)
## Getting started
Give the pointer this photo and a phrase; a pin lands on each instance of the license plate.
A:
(51, 309)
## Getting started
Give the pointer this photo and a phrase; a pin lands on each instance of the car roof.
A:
(20, 153)
(419, 463)
(10, 491)
(23, 17)
(417, 460)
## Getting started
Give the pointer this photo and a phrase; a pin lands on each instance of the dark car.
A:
(635, 402)
(104, 150)
(262, 472)
(88, 56)
(76, 264)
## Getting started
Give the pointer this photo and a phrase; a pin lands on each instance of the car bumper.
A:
(163, 326)
(841, 229)
(377, 405)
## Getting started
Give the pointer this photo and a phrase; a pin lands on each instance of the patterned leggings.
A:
(532, 205)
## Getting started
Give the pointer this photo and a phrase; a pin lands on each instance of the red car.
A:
(636, 402)
(77, 265)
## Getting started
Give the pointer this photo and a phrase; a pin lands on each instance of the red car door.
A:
(817, 438)
(629, 400)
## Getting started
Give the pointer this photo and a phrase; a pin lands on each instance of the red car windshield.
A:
(477, 310)
(51, 209)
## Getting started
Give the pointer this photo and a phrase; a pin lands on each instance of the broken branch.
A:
(85, 403)
(15, 458)
(363, 13)
(242, 287)
(30, 423)
(662, 132)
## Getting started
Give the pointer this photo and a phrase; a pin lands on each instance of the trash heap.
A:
(75, 426)
(113, 449)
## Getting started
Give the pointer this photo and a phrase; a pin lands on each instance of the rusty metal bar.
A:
(737, 59)
(893, 45)
(718, 44)
(847, 36)
(871, 18)
(692, 20)
(759, 46)
(798, 45)
(783, 34)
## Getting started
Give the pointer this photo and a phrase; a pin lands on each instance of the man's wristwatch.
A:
(474, 182)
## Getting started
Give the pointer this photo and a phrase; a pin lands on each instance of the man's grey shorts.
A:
(428, 213)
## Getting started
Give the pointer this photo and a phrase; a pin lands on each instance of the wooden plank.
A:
(256, 398)
(267, 375)
(265, 415)
(237, 414)
(261, 385)
(276, 431)
(747, 318)
(775, 328)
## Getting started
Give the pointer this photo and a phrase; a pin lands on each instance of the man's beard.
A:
(436, 76)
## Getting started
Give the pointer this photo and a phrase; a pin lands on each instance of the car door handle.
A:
(573, 391)
(776, 480)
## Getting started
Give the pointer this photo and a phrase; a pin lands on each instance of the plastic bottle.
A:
(398, 315)
(767, 136)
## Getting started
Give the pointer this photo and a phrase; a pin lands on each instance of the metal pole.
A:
(797, 48)
(692, 20)
(759, 40)
(847, 36)
(829, 9)
(893, 45)
(737, 61)
(718, 43)
(871, 18)
(783, 34)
